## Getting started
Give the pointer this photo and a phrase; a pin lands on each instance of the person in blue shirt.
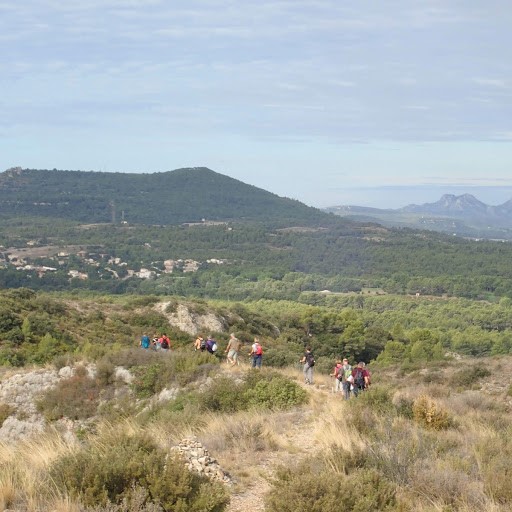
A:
(145, 341)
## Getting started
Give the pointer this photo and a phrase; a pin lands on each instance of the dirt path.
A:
(299, 440)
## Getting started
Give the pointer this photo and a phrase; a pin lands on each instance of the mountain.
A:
(174, 197)
(463, 215)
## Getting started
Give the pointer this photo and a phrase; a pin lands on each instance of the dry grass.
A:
(24, 471)
(463, 467)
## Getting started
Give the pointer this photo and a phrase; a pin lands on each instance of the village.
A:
(79, 262)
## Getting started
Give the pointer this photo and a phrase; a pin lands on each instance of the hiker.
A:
(156, 343)
(346, 378)
(337, 373)
(256, 353)
(232, 349)
(309, 361)
(200, 344)
(144, 341)
(165, 343)
(211, 345)
(361, 378)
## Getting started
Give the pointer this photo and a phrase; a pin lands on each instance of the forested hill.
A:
(182, 195)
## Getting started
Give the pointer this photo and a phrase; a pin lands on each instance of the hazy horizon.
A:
(400, 196)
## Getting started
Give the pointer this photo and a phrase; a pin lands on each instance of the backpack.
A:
(310, 359)
(202, 345)
(165, 343)
(359, 379)
(345, 373)
(259, 350)
(214, 347)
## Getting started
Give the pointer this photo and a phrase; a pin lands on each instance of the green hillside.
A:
(56, 233)
(174, 197)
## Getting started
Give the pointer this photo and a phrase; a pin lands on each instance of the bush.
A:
(105, 373)
(272, 391)
(48, 349)
(494, 459)
(280, 357)
(467, 377)
(403, 406)
(260, 389)
(162, 369)
(5, 411)
(75, 398)
(148, 380)
(428, 414)
(111, 471)
(224, 395)
(307, 488)
(377, 398)
(12, 357)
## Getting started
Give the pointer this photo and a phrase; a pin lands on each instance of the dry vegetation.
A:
(431, 440)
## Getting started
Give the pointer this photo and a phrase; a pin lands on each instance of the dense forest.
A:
(259, 260)
(174, 197)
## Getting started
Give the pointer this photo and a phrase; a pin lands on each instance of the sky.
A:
(329, 102)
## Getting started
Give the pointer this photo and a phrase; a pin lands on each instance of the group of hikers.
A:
(347, 379)
(232, 350)
(350, 380)
(161, 342)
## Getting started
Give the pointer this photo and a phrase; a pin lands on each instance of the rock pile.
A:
(198, 460)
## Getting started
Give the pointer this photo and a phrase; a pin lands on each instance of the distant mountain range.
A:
(463, 215)
(174, 197)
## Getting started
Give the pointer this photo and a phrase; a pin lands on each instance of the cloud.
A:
(314, 69)
(491, 82)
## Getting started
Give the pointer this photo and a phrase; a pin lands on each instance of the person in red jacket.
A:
(361, 378)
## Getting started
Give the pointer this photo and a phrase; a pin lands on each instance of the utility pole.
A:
(113, 211)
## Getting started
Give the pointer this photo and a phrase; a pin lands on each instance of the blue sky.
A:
(329, 102)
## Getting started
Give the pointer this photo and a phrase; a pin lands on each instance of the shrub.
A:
(467, 377)
(280, 357)
(111, 472)
(495, 454)
(429, 414)
(307, 488)
(224, 395)
(148, 379)
(403, 406)
(47, 349)
(12, 357)
(160, 370)
(5, 411)
(272, 390)
(105, 373)
(452, 488)
(75, 398)
(259, 390)
(133, 357)
(377, 398)
(342, 461)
